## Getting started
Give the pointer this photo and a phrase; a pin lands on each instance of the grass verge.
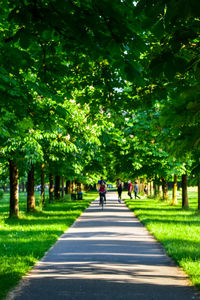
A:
(24, 241)
(176, 229)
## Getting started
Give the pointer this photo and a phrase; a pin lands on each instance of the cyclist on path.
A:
(102, 188)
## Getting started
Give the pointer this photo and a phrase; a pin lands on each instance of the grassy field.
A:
(176, 229)
(23, 241)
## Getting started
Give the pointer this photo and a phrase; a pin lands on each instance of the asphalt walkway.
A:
(105, 255)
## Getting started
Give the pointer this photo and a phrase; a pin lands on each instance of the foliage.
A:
(107, 88)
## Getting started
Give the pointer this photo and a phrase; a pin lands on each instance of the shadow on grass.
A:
(176, 229)
(47, 219)
(24, 240)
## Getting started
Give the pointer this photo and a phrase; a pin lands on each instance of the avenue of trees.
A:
(99, 87)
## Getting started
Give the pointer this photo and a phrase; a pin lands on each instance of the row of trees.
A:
(89, 88)
(164, 132)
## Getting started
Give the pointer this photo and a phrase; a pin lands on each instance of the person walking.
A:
(136, 190)
(119, 189)
(130, 187)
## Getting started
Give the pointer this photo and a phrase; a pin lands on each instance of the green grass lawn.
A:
(176, 229)
(23, 241)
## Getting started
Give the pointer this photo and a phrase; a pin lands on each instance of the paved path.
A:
(105, 255)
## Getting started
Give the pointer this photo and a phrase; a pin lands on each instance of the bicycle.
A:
(102, 199)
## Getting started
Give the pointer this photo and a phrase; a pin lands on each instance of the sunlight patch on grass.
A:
(175, 228)
(25, 240)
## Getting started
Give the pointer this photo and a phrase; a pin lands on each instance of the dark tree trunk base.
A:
(57, 187)
(42, 186)
(50, 187)
(31, 194)
(185, 203)
(14, 197)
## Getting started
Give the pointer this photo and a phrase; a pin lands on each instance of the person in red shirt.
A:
(130, 187)
(102, 188)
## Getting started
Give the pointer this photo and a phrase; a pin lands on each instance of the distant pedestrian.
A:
(130, 187)
(119, 189)
(136, 190)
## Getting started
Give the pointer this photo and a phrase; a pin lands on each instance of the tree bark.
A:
(150, 188)
(4, 188)
(164, 188)
(51, 187)
(159, 187)
(14, 196)
(63, 186)
(185, 203)
(31, 194)
(198, 184)
(142, 186)
(26, 187)
(67, 189)
(155, 189)
(174, 191)
(23, 186)
(75, 186)
(42, 185)
(72, 186)
(78, 187)
(86, 187)
(57, 187)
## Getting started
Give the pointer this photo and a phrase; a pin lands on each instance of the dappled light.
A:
(177, 230)
(104, 250)
(24, 240)
(98, 97)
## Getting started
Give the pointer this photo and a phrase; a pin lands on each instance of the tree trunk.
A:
(50, 187)
(67, 189)
(23, 186)
(31, 195)
(155, 189)
(57, 187)
(164, 188)
(150, 187)
(63, 186)
(174, 192)
(42, 185)
(78, 187)
(3, 187)
(184, 192)
(142, 187)
(198, 183)
(75, 186)
(72, 186)
(85, 186)
(159, 187)
(14, 196)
